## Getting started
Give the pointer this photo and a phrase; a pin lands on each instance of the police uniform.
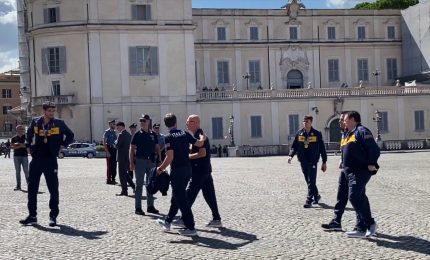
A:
(309, 147)
(110, 137)
(359, 150)
(44, 141)
(180, 174)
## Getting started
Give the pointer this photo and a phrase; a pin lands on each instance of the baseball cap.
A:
(156, 125)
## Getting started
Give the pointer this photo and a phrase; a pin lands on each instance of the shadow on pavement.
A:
(326, 206)
(70, 231)
(407, 243)
(220, 244)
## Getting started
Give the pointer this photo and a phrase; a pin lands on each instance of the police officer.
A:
(177, 145)
(109, 138)
(132, 128)
(160, 136)
(360, 155)
(309, 145)
(122, 145)
(143, 151)
(46, 135)
(342, 190)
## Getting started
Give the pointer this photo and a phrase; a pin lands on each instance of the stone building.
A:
(9, 99)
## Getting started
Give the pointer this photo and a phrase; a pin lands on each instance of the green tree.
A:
(386, 4)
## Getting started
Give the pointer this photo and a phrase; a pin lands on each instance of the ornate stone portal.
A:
(294, 58)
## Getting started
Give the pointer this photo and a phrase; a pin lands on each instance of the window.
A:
(391, 69)
(221, 33)
(217, 128)
(293, 121)
(383, 125)
(5, 109)
(141, 12)
(222, 72)
(331, 33)
(363, 70)
(419, 120)
(293, 33)
(56, 88)
(333, 70)
(54, 60)
(253, 33)
(143, 60)
(6, 93)
(361, 32)
(8, 127)
(51, 15)
(391, 32)
(254, 72)
(256, 127)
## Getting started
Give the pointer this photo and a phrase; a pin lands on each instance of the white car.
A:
(78, 150)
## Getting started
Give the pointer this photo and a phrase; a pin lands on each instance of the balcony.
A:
(58, 100)
(229, 95)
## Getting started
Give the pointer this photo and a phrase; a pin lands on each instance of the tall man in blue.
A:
(143, 151)
(109, 138)
(177, 144)
(46, 135)
(309, 146)
(360, 155)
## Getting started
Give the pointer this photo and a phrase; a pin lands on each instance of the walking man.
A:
(177, 145)
(109, 138)
(123, 147)
(309, 146)
(360, 155)
(143, 150)
(20, 155)
(7, 150)
(46, 135)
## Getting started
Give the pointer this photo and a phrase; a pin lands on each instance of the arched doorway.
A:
(335, 131)
(294, 79)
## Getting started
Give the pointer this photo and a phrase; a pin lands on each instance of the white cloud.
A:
(8, 13)
(8, 61)
(344, 3)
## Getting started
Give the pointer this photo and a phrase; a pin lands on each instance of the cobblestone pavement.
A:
(261, 203)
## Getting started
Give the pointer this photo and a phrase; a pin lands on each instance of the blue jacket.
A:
(359, 149)
(56, 132)
(309, 147)
(158, 182)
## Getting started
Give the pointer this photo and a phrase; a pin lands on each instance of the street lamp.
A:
(230, 131)
(376, 75)
(247, 76)
(377, 118)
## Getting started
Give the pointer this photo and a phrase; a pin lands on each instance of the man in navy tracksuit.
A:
(46, 135)
(360, 155)
(309, 145)
(177, 145)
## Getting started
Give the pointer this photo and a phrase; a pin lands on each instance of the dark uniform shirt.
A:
(359, 149)
(202, 164)
(179, 141)
(19, 151)
(309, 146)
(145, 144)
(110, 137)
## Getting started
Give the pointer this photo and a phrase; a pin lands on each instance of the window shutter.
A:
(63, 59)
(57, 14)
(148, 12)
(46, 15)
(45, 69)
(132, 60)
(133, 12)
(153, 56)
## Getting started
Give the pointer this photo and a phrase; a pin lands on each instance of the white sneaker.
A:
(356, 233)
(372, 230)
(164, 224)
(187, 232)
(215, 224)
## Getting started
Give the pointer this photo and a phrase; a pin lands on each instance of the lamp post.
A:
(230, 131)
(247, 76)
(377, 118)
(376, 75)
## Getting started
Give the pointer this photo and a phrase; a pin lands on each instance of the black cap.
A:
(156, 125)
(112, 121)
(133, 125)
(147, 117)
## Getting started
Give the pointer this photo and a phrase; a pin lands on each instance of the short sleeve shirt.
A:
(145, 143)
(179, 141)
(110, 136)
(19, 151)
(202, 164)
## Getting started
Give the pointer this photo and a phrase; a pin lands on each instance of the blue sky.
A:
(9, 35)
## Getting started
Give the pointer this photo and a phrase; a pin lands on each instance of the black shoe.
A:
(333, 225)
(121, 194)
(17, 188)
(152, 209)
(109, 182)
(28, 220)
(308, 204)
(317, 199)
(52, 221)
(139, 212)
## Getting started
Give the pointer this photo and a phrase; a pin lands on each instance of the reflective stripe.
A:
(347, 140)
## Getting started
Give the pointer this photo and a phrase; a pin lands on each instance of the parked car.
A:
(79, 150)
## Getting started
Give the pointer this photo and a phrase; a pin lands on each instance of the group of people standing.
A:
(358, 163)
(146, 148)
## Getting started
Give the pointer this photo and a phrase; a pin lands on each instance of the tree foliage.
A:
(386, 4)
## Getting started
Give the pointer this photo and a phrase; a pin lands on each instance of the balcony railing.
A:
(58, 100)
(312, 93)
